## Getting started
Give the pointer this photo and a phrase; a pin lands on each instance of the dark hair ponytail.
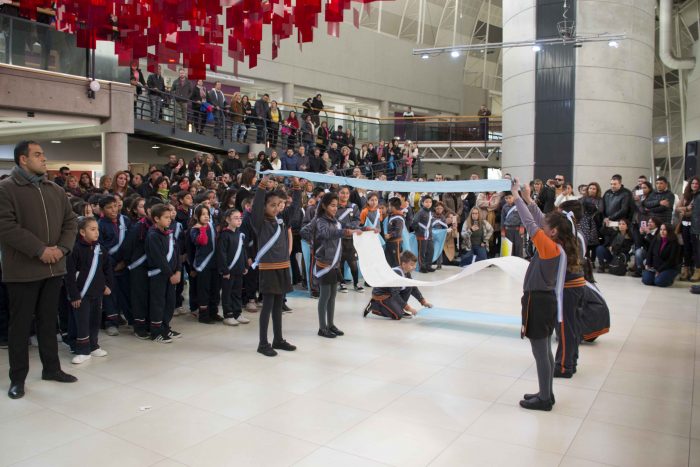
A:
(567, 238)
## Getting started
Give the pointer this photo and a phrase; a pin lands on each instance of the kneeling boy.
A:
(392, 302)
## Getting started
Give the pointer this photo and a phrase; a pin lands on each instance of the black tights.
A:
(272, 305)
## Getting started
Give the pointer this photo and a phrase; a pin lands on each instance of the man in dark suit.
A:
(156, 91)
(216, 98)
(262, 108)
(182, 90)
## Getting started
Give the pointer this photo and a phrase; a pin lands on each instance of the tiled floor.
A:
(441, 390)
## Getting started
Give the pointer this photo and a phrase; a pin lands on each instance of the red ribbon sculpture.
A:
(189, 32)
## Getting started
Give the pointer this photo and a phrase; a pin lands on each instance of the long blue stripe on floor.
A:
(468, 316)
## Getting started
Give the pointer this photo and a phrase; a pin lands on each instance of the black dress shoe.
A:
(336, 331)
(323, 332)
(284, 345)
(16, 391)
(536, 404)
(563, 374)
(267, 351)
(527, 397)
(60, 376)
(216, 317)
(285, 307)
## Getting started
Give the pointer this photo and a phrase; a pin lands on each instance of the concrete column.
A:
(518, 151)
(692, 110)
(115, 153)
(615, 92)
(288, 93)
(386, 128)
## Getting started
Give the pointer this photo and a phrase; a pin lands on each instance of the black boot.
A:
(335, 330)
(536, 404)
(325, 332)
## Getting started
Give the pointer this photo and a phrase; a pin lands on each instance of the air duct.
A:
(665, 35)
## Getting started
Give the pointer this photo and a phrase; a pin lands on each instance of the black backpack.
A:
(618, 265)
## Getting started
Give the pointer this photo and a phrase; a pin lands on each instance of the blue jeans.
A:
(239, 131)
(664, 279)
(603, 254)
(477, 253)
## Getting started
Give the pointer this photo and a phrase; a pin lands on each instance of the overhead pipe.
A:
(665, 34)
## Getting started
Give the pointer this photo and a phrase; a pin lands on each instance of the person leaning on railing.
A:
(237, 114)
(181, 90)
(198, 97)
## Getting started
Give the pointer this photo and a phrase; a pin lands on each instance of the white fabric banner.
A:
(377, 271)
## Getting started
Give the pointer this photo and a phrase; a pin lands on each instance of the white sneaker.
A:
(407, 315)
(78, 359)
(112, 331)
(250, 306)
(243, 320)
(180, 311)
(230, 322)
(99, 353)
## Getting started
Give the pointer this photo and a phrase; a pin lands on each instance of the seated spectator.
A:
(476, 233)
(663, 258)
(648, 231)
(620, 244)
(290, 161)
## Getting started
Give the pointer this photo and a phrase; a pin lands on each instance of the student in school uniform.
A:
(392, 302)
(370, 216)
(511, 226)
(113, 227)
(542, 301)
(134, 254)
(88, 279)
(327, 234)
(348, 214)
(250, 280)
(272, 260)
(396, 223)
(232, 265)
(423, 227)
(442, 221)
(202, 235)
(182, 217)
(163, 261)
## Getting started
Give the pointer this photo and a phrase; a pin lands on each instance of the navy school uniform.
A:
(182, 218)
(423, 227)
(163, 259)
(272, 260)
(134, 254)
(204, 265)
(349, 218)
(250, 280)
(390, 302)
(393, 248)
(112, 236)
(231, 260)
(88, 273)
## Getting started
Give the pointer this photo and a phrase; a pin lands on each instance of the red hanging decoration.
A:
(188, 32)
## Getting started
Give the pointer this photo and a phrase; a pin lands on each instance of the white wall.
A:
(362, 63)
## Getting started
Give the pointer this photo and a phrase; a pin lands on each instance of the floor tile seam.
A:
(480, 436)
(337, 450)
(244, 420)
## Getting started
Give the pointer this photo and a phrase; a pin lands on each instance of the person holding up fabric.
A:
(423, 226)
(542, 289)
(327, 234)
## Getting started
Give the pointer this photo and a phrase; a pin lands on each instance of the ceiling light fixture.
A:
(55, 141)
(425, 56)
(613, 44)
(455, 53)
(155, 146)
(536, 48)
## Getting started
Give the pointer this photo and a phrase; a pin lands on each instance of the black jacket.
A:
(545, 199)
(79, 263)
(157, 247)
(156, 84)
(652, 204)
(618, 204)
(134, 247)
(226, 248)
(663, 260)
(232, 166)
(200, 252)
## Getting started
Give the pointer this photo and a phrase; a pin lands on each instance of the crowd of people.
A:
(235, 240)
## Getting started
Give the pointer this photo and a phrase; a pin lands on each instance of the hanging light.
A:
(613, 44)
(454, 53)
(425, 56)
(536, 48)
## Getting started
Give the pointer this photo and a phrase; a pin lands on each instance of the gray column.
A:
(692, 111)
(615, 92)
(518, 151)
(386, 127)
(288, 93)
(115, 153)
